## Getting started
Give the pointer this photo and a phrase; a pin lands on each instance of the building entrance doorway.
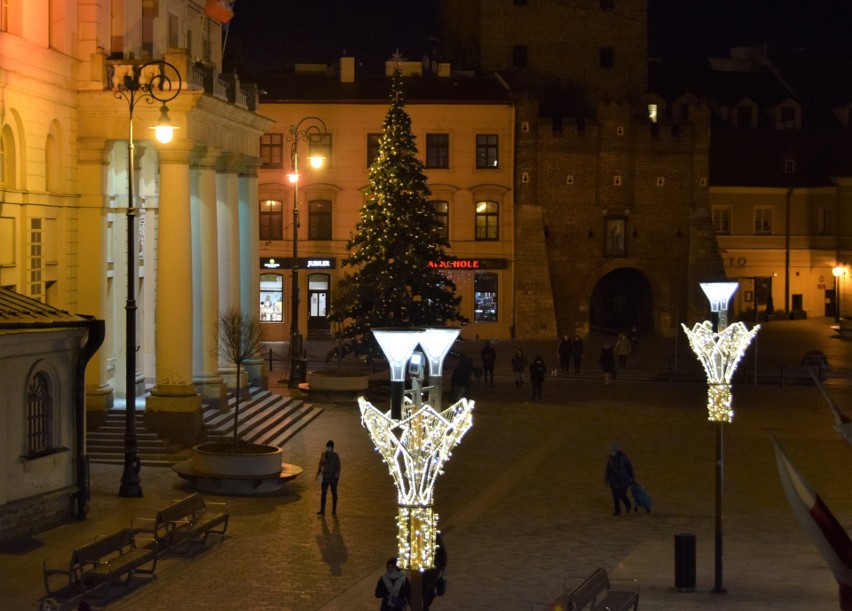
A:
(620, 300)
(318, 300)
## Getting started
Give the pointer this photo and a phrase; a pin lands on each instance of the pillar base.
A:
(212, 390)
(174, 412)
(257, 375)
(99, 399)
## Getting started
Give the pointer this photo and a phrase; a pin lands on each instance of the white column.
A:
(206, 377)
(250, 257)
(90, 267)
(174, 407)
(228, 203)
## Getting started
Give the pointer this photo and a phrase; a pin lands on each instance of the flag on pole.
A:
(819, 524)
(220, 10)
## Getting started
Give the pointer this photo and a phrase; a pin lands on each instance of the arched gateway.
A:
(621, 299)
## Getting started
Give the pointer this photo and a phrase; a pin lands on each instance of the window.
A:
(763, 220)
(744, 117)
(442, 216)
(319, 219)
(372, 148)
(520, 57)
(437, 150)
(319, 145)
(615, 244)
(39, 415)
(35, 259)
(271, 298)
(722, 219)
(8, 170)
(789, 166)
(607, 58)
(487, 221)
(271, 220)
(824, 221)
(485, 297)
(788, 115)
(272, 150)
(487, 151)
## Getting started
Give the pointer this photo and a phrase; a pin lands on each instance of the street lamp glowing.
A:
(397, 345)
(316, 161)
(163, 129)
(719, 293)
(293, 177)
(436, 343)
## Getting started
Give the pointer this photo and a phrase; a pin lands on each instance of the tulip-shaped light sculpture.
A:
(720, 350)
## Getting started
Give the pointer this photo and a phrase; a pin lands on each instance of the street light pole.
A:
(837, 271)
(162, 85)
(309, 129)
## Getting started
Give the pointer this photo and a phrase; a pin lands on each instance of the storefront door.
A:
(318, 300)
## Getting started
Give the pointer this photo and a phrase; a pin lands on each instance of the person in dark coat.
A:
(538, 371)
(461, 378)
(577, 352)
(393, 588)
(329, 471)
(619, 476)
(431, 576)
(488, 357)
(607, 363)
(519, 363)
(564, 351)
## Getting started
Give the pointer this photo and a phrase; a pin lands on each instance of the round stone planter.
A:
(335, 385)
(239, 474)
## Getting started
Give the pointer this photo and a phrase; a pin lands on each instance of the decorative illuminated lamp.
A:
(164, 131)
(719, 351)
(436, 343)
(397, 344)
(416, 444)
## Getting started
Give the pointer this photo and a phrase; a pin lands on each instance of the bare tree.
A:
(238, 337)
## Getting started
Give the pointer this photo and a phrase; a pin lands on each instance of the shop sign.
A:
(304, 263)
(472, 264)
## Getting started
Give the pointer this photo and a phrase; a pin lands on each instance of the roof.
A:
(327, 88)
(18, 311)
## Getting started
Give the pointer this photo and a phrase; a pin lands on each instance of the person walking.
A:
(432, 577)
(393, 588)
(519, 364)
(329, 471)
(488, 356)
(619, 476)
(538, 371)
(607, 363)
(622, 349)
(564, 351)
(634, 340)
(577, 352)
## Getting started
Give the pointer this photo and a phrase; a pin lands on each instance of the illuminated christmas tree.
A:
(393, 278)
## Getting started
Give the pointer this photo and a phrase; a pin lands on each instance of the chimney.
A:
(347, 69)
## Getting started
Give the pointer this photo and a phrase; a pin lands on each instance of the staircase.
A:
(265, 418)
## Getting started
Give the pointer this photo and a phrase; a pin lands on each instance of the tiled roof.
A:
(17, 311)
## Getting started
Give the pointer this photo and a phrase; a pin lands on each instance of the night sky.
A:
(268, 33)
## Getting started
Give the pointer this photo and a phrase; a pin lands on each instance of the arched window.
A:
(39, 415)
(52, 164)
(8, 167)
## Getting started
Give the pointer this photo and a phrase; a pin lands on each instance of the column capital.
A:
(94, 150)
(250, 166)
(228, 162)
(204, 156)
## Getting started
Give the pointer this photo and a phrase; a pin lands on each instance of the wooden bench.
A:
(595, 594)
(185, 521)
(101, 563)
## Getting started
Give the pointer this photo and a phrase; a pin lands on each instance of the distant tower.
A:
(591, 164)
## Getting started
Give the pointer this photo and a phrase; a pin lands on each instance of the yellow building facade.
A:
(464, 133)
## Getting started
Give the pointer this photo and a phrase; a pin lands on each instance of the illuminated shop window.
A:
(271, 298)
(485, 297)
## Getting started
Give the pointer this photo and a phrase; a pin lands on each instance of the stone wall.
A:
(28, 516)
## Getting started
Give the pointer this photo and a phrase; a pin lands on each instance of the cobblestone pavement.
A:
(522, 503)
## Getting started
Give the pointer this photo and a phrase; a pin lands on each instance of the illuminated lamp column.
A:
(398, 345)
(414, 445)
(719, 349)
(436, 343)
(837, 272)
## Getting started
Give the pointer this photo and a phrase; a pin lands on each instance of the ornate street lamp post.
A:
(719, 348)
(310, 130)
(415, 442)
(837, 271)
(153, 81)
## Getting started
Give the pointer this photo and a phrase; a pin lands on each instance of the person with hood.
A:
(393, 588)
(538, 371)
(619, 476)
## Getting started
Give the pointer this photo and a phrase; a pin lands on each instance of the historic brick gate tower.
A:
(613, 227)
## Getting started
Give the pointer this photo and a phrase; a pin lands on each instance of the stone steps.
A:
(264, 417)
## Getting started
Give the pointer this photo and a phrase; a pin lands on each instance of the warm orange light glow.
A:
(316, 161)
(293, 177)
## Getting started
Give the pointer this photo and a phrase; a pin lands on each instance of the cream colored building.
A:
(464, 133)
(64, 191)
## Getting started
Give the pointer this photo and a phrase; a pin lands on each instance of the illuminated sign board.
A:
(471, 264)
(303, 262)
